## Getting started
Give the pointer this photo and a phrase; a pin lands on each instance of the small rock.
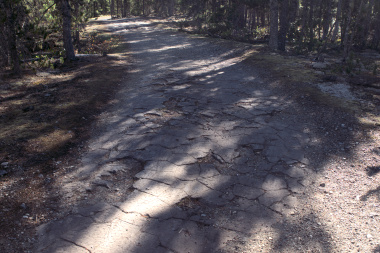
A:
(3, 172)
(319, 65)
(369, 236)
(203, 215)
(41, 176)
(23, 206)
(4, 164)
(322, 185)
(102, 183)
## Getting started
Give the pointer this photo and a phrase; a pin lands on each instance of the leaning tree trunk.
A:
(284, 24)
(66, 28)
(273, 35)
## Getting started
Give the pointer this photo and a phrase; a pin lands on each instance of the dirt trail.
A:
(223, 160)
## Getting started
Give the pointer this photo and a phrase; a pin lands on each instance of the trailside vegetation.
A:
(31, 28)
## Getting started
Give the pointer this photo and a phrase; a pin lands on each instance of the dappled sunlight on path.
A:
(221, 157)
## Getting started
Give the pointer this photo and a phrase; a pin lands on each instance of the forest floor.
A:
(190, 144)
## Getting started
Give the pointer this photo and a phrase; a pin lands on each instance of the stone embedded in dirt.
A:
(102, 183)
(4, 164)
(319, 65)
(322, 185)
(3, 172)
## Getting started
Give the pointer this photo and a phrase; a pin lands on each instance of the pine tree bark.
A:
(171, 8)
(376, 35)
(311, 25)
(284, 24)
(125, 8)
(326, 20)
(366, 20)
(273, 34)
(65, 9)
(337, 21)
(347, 40)
(305, 4)
(10, 22)
(112, 6)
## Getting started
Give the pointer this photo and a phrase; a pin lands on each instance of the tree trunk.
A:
(253, 20)
(112, 6)
(311, 25)
(94, 5)
(239, 21)
(262, 17)
(326, 20)
(305, 3)
(125, 8)
(347, 40)
(117, 8)
(273, 36)
(10, 22)
(337, 21)
(77, 40)
(376, 36)
(65, 9)
(171, 8)
(366, 20)
(284, 25)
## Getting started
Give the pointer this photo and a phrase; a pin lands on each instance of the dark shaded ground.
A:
(45, 119)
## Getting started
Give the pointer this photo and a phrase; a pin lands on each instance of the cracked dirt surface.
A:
(222, 159)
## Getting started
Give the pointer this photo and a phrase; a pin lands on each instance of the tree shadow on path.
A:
(227, 157)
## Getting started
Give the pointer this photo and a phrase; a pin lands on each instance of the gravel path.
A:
(222, 160)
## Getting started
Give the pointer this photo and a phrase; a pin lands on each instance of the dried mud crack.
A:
(202, 153)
